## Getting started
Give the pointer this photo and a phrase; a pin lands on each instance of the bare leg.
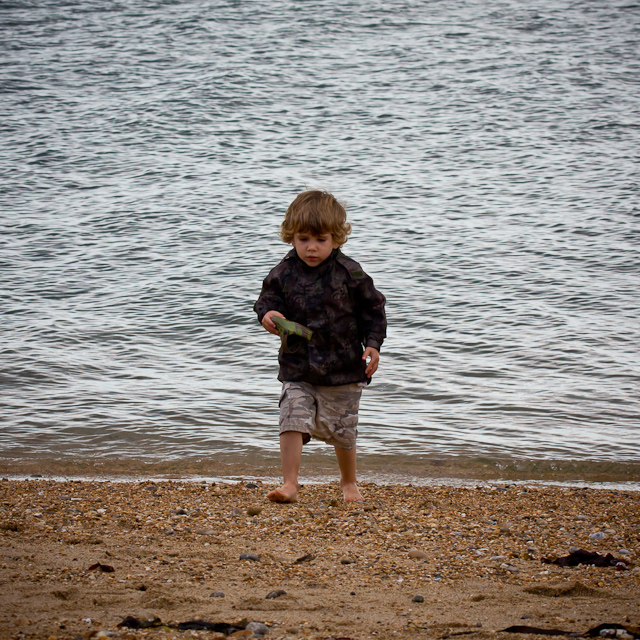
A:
(347, 463)
(290, 455)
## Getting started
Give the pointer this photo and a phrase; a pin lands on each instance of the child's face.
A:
(313, 250)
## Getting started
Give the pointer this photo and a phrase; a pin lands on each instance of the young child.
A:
(322, 378)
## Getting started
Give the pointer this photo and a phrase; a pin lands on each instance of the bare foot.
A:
(351, 493)
(286, 493)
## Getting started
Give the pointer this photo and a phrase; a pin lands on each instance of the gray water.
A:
(487, 153)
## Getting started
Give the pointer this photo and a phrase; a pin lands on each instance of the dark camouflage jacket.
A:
(338, 302)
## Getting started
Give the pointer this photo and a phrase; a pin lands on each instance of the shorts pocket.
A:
(346, 431)
(349, 421)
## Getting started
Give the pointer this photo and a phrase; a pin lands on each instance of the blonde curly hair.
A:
(315, 212)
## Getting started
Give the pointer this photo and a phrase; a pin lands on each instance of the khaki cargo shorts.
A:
(324, 413)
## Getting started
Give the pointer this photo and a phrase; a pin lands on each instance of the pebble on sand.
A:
(258, 628)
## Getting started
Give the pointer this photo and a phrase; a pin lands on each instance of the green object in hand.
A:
(288, 328)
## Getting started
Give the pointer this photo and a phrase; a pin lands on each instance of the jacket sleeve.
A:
(271, 297)
(371, 316)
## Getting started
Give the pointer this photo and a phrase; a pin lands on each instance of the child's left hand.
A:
(374, 354)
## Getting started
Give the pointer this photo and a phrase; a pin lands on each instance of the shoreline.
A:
(322, 467)
(472, 553)
(327, 480)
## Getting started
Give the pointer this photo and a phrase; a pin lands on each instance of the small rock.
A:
(599, 535)
(334, 503)
(249, 556)
(258, 628)
(272, 595)
(347, 561)
(217, 594)
(613, 633)
(306, 558)
(254, 511)
(416, 553)
(498, 558)
(251, 485)
(235, 512)
(624, 552)
(181, 512)
(509, 568)
(417, 599)
(105, 568)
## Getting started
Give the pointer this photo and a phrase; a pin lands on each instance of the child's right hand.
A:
(267, 323)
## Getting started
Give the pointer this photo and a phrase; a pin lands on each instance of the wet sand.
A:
(172, 550)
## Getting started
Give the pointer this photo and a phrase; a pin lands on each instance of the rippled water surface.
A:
(488, 156)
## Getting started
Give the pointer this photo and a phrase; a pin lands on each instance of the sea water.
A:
(487, 153)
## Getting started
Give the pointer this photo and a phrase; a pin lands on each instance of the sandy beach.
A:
(94, 559)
